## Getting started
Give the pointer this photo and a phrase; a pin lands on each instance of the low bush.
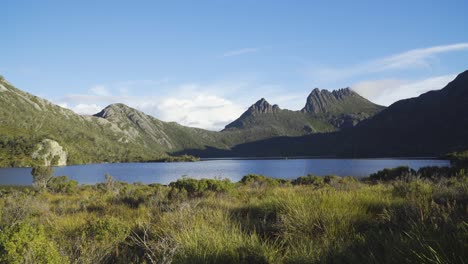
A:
(309, 180)
(397, 173)
(196, 187)
(24, 243)
(262, 181)
(62, 184)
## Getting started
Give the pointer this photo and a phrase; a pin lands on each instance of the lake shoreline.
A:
(323, 158)
(233, 169)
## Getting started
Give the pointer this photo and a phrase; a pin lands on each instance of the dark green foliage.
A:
(261, 180)
(182, 158)
(62, 184)
(392, 174)
(41, 176)
(196, 187)
(433, 173)
(308, 180)
(19, 150)
(459, 159)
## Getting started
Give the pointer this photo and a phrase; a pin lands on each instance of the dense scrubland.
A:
(394, 216)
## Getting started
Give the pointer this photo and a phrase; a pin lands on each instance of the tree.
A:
(41, 176)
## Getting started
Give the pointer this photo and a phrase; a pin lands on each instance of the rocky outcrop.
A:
(259, 109)
(136, 124)
(51, 153)
(337, 102)
(263, 107)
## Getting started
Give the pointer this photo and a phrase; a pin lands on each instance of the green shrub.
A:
(23, 243)
(196, 187)
(309, 180)
(41, 176)
(98, 240)
(62, 184)
(261, 180)
(402, 172)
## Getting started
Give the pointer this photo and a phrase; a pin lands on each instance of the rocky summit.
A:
(263, 107)
(324, 111)
(341, 101)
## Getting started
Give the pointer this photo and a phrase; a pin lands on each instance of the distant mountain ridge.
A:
(324, 111)
(432, 124)
(341, 101)
(338, 123)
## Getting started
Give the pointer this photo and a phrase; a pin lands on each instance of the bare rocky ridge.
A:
(341, 101)
(324, 111)
(263, 107)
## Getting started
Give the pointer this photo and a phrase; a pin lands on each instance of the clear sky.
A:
(201, 63)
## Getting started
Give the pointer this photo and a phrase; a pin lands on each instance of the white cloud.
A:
(388, 91)
(412, 59)
(238, 52)
(416, 57)
(188, 104)
(85, 109)
(204, 111)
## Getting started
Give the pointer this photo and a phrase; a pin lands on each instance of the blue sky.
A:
(201, 63)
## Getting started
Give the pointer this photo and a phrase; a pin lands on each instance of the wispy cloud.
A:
(239, 52)
(416, 57)
(388, 91)
(412, 59)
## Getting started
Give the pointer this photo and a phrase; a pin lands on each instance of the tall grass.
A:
(258, 220)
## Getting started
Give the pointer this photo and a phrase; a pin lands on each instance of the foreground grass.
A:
(258, 220)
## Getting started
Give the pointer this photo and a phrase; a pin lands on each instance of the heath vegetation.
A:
(393, 216)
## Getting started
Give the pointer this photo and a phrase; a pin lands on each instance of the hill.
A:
(324, 111)
(433, 124)
(338, 123)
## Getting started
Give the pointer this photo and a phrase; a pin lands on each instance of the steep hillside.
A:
(27, 122)
(154, 133)
(433, 124)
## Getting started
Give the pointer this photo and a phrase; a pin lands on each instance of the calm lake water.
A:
(233, 169)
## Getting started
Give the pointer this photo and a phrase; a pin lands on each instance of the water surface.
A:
(233, 169)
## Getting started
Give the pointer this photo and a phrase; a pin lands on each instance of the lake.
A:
(233, 169)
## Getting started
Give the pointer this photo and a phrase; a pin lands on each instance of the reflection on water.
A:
(233, 169)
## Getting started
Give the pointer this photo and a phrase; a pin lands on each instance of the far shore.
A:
(323, 157)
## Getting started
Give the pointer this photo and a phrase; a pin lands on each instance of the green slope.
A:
(121, 133)
(26, 120)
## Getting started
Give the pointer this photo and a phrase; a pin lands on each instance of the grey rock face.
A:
(51, 153)
(324, 101)
(263, 107)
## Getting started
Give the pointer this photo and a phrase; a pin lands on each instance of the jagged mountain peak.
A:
(340, 101)
(262, 106)
(113, 110)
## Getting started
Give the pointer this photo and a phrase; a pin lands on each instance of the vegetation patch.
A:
(385, 219)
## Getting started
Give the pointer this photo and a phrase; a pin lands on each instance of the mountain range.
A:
(340, 123)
